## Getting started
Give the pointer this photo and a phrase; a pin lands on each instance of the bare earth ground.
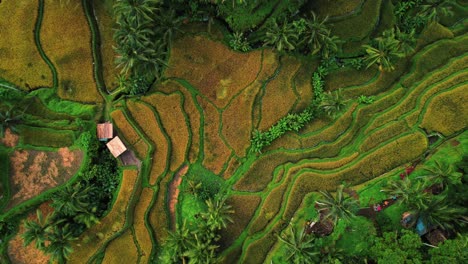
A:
(9, 140)
(33, 172)
(174, 192)
(18, 253)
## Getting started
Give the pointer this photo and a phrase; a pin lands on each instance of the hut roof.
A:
(104, 130)
(116, 147)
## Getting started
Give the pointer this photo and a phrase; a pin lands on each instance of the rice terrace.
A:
(233, 131)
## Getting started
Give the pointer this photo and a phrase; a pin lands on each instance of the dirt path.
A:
(174, 193)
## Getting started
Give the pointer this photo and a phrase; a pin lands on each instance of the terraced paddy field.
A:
(196, 126)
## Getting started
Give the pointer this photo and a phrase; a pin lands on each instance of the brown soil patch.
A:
(173, 193)
(20, 254)
(33, 172)
(9, 140)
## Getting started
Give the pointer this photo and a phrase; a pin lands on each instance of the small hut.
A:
(105, 131)
(116, 147)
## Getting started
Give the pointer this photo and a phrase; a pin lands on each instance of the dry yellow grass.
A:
(106, 22)
(159, 214)
(89, 243)
(145, 118)
(391, 129)
(279, 97)
(244, 207)
(269, 208)
(20, 61)
(66, 39)
(172, 118)
(216, 71)
(215, 150)
(192, 112)
(142, 234)
(121, 250)
(448, 112)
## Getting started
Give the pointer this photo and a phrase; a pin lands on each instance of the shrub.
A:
(362, 99)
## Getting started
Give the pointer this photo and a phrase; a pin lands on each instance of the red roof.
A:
(104, 130)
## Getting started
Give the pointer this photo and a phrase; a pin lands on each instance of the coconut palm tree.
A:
(432, 10)
(201, 251)
(9, 119)
(384, 54)
(408, 192)
(167, 24)
(315, 34)
(439, 212)
(281, 37)
(218, 213)
(72, 200)
(338, 206)
(142, 10)
(407, 40)
(333, 103)
(330, 46)
(178, 242)
(37, 231)
(59, 247)
(441, 172)
(300, 246)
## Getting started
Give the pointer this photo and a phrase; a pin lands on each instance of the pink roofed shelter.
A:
(105, 131)
(116, 146)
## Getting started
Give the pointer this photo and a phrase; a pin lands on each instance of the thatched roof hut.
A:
(116, 147)
(105, 131)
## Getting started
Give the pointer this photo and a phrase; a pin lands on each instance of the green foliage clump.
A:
(393, 247)
(362, 99)
(239, 42)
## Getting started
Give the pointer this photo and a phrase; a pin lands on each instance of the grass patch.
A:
(431, 33)
(391, 129)
(345, 77)
(173, 119)
(45, 137)
(4, 177)
(358, 27)
(279, 97)
(21, 62)
(216, 71)
(145, 117)
(244, 208)
(65, 38)
(216, 152)
(121, 250)
(447, 113)
(356, 237)
(269, 209)
(335, 8)
(104, 11)
(159, 214)
(142, 234)
(434, 57)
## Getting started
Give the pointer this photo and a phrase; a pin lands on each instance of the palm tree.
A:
(37, 231)
(333, 103)
(218, 213)
(384, 55)
(441, 173)
(281, 36)
(316, 34)
(406, 40)
(142, 10)
(72, 200)
(432, 10)
(330, 46)
(201, 251)
(59, 247)
(178, 242)
(9, 119)
(338, 207)
(167, 24)
(439, 212)
(301, 249)
(410, 193)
